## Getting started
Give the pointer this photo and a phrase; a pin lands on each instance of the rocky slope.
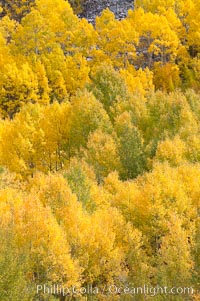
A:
(93, 8)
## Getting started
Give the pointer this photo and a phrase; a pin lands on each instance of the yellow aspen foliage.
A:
(172, 151)
(59, 11)
(36, 142)
(174, 21)
(81, 179)
(45, 242)
(102, 154)
(190, 75)
(127, 198)
(17, 9)
(19, 140)
(167, 122)
(192, 152)
(58, 88)
(54, 65)
(158, 39)
(61, 21)
(167, 189)
(33, 36)
(101, 259)
(130, 146)
(96, 58)
(154, 5)
(14, 268)
(140, 81)
(99, 149)
(88, 115)
(167, 77)
(55, 129)
(117, 39)
(18, 86)
(190, 123)
(66, 74)
(108, 86)
(190, 177)
(133, 110)
(54, 192)
(186, 12)
(76, 74)
(84, 38)
(195, 64)
(5, 56)
(7, 28)
(193, 101)
(93, 250)
(43, 85)
(174, 257)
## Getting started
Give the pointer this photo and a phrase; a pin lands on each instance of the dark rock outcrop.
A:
(94, 8)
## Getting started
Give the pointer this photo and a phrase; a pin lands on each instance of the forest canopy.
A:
(99, 149)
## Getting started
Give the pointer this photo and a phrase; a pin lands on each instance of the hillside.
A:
(88, 9)
(93, 8)
(100, 151)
